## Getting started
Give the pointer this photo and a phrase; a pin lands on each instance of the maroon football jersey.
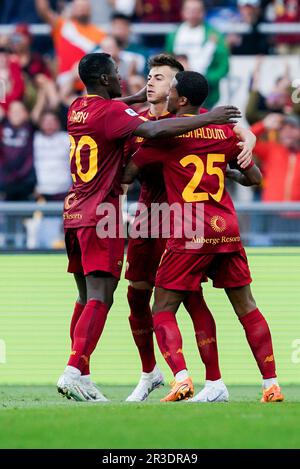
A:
(151, 177)
(98, 129)
(194, 166)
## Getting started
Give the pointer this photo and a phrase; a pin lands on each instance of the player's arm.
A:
(181, 125)
(248, 177)
(130, 173)
(45, 11)
(246, 144)
(138, 98)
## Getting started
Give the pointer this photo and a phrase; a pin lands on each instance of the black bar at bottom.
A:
(140, 457)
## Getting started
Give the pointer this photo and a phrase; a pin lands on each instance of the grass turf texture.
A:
(35, 417)
(36, 301)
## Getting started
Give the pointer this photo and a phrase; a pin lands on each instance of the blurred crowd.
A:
(39, 80)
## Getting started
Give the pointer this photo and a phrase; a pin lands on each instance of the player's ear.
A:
(104, 79)
(183, 101)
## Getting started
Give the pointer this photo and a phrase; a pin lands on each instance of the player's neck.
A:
(99, 92)
(158, 109)
(188, 110)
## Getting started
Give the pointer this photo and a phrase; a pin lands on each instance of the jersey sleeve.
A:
(148, 153)
(121, 121)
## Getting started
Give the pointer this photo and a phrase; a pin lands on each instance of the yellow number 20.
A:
(189, 194)
(93, 158)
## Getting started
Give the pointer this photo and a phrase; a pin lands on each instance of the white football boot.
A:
(92, 390)
(213, 391)
(147, 384)
(70, 386)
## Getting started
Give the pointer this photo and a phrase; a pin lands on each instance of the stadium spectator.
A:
(12, 82)
(36, 73)
(158, 11)
(278, 100)
(121, 31)
(124, 7)
(51, 149)
(16, 11)
(17, 173)
(253, 42)
(280, 160)
(204, 47)
(74, 35)
(127, 62)
(287, 11)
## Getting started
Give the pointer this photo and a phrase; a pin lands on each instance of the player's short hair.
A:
(193, 86)
(165, 59)
(91, 66)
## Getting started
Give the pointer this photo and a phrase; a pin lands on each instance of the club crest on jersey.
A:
(218, 223)
(69, 200)
(131, 112)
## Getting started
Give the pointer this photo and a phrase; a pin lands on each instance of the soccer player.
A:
(98, 127)
(144, 254)
(194, 168)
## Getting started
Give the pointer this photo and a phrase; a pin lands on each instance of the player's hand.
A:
(224, 115)
(141, 96)
(232, 174)
(245, 157)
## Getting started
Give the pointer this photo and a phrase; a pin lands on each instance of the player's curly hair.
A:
(165, 59)
(91, 66)
(193, 86)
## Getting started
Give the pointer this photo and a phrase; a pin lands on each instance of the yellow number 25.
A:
(189, 194)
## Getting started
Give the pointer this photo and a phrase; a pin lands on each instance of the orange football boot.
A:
(272, 394)
(180, 390)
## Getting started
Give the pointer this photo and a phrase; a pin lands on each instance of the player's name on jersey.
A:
(222, 239)
(206, 133)
(78, 117)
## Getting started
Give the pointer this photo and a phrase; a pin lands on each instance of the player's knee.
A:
(165, 303)
(241, 299)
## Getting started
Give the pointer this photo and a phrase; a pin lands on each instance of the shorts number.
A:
(93, 158)
(189, 194)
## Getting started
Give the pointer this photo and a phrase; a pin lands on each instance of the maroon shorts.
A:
(180, 271)
(143, 258)
(88, 253)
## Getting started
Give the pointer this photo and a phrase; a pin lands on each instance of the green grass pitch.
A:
(36, 301)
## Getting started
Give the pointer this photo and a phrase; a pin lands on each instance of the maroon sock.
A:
(205, 333)
(141, 325)
(169, 340)
(260, 341)
(76, 315)
(87, 333)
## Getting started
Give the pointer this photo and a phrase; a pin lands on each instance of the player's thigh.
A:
(141, 285)
(167, 300)
(241, 299)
